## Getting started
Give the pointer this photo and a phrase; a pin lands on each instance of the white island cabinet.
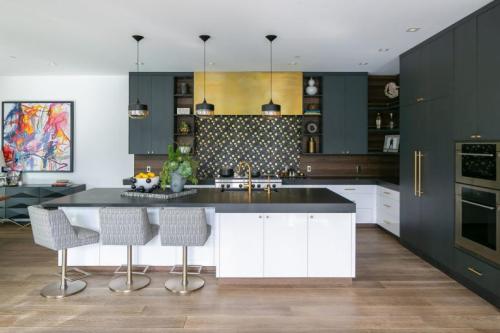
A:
(286, 245)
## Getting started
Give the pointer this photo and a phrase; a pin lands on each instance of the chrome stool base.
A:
(120, 285)
(54, 290)
(175, 284)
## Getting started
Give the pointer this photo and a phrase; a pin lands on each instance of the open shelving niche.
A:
(309, 101)
(184, 101)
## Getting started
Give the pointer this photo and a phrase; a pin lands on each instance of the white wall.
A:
(100, 152)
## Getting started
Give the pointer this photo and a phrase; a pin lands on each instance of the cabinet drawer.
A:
(353, 189)
(477, 271)
(21, 202)
(385, 192)
(361, 200)
(388, 207)
(389, 225)
(16, 213)
(22, 192)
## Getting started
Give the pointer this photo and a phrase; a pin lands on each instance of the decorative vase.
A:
(378, 121)
(177, 182)
(311, 89)
(391, 121)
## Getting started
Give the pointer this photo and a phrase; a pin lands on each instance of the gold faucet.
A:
(248, 166)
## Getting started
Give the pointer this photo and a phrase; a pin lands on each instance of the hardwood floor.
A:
(394, 291)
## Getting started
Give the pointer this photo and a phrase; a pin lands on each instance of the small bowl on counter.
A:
(145, 184)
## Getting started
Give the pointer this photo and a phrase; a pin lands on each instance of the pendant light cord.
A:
(138, 70)
(204, 69)
(271, 61)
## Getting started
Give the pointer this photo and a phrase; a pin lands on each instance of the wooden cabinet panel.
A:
(329, 239)
(476, 271)
(285, 245)
(438, 67)
(411, 77)
(488, 71)
(241, 247)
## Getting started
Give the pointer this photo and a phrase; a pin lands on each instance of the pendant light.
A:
(204, 109)
(270, 109)
(138, 110)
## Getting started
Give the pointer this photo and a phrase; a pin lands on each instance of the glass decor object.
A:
(391, 120)
(378, 121)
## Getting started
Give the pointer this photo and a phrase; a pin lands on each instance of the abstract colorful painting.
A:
(38, 136)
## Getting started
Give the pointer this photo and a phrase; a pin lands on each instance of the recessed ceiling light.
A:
(383, 50)
(412, 29)
(52, 64)
(12, 57)
(363, 64)
(211, 63)
(293, 63)
(297, 57)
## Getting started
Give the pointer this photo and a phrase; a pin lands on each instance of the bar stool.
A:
(184, 227)
(127, 226)
(52, 229)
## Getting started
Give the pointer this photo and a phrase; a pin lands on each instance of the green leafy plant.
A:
(178, 162)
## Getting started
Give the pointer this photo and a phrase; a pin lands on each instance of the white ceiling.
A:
(93, 36)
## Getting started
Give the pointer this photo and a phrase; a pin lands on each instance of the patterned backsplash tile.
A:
(269, 145)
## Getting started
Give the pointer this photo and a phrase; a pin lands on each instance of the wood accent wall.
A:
(154, 161)
(379, 166)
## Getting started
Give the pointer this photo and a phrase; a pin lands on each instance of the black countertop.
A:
(285, 200)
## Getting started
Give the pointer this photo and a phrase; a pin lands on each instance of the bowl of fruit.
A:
(145, 182)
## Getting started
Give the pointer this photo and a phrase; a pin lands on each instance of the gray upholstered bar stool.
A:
(52, 229)
(184, 227)
(127, 226)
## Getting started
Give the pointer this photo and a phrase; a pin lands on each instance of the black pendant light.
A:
(270, 109)
(138, 110)
(204, 109)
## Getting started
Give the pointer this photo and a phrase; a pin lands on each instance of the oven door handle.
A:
(478, 205)
(477, 154)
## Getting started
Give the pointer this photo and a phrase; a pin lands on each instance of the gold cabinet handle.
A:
(349, 189)
(388, 206)
(420, 99)
(387, 222)
(419, 171)
(388, 193)
(415, 167)
(473, 270)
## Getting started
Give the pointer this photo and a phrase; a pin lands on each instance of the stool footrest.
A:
(191, 269)
(136, 269)
(75, 274)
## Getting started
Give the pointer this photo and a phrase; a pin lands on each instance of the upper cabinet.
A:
(488, 71)
(345, 113)
(153, 134)
(427, 71)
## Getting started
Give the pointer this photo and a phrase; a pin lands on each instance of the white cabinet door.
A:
(285, 245)
(331, 247)
(241, 248)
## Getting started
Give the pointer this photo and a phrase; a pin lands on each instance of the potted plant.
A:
(177, 169)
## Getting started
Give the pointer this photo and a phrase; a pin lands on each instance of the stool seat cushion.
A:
(52, 229)
(183, 227)
(125, 226)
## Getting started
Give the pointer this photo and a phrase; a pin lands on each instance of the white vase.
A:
(311, 88)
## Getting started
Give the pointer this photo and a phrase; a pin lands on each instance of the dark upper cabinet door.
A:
(465, 77)
(333, 114)
(139, 136)
(437, 200)
(437, 65)
(412, 119)
(162, 117)
(489, 74)
(356, 114)
(411, 77)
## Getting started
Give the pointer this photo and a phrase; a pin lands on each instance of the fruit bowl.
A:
(145, 182)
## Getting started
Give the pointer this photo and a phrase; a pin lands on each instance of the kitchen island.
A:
(291, 233)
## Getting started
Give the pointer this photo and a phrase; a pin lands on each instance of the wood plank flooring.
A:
(394, 291)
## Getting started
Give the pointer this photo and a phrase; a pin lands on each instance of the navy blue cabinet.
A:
(153, 134)
(345, 113)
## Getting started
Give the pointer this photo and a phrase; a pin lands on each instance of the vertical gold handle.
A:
(415, 171)
(419, 176)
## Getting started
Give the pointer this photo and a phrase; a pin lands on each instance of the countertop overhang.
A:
(285, 200)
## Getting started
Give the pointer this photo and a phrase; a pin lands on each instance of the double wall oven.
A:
(477, 189)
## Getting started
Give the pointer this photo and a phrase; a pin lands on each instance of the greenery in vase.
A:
(182, 163)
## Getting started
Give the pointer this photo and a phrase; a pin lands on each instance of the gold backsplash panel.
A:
(243, 93)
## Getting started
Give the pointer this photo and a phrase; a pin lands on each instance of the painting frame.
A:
(391, 144)
(71, 126)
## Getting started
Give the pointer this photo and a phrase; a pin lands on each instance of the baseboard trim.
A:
(286, 282)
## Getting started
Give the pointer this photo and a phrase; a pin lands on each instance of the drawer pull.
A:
(387, 222)
(471, 269)
(388, 193)
(311, 217)
(388, 206)
(349, 189)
